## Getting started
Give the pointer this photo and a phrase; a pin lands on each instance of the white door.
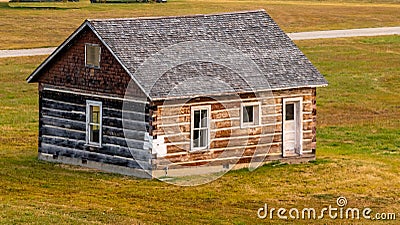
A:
(292, 127)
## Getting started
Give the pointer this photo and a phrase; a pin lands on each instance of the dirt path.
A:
(26, 52)
(345, 33)
(294, 36)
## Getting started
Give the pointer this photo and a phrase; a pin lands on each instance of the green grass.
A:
(364, 77)
(18, 106)
(29, 25)
(358, 155)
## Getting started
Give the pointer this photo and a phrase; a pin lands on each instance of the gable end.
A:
(66, 66)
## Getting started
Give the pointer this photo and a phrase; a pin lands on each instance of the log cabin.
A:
(196, 94)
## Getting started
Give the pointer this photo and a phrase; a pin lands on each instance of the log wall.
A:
(229, 141)
(62, 129)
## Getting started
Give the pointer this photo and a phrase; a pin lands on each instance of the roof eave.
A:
(235, 93)
(301, 86)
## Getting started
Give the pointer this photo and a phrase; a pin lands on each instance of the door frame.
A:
(298, 117)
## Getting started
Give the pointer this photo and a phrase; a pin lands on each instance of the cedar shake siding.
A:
(68, 70)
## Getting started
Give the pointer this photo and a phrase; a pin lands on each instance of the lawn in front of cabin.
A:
(358, 154)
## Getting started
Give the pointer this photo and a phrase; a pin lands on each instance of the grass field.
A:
(358, 156)
(29, 25)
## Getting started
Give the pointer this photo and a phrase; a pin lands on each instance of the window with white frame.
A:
(200, 127)
(93, 123)
(92, 55)
(250, 114)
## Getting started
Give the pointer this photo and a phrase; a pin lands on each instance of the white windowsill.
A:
(93, 145)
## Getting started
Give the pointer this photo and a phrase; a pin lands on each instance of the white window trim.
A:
(88, 104)
(195, 108)
(88, 65)
(299, 101)
(256, 122)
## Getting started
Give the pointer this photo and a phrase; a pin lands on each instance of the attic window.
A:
(92, 55)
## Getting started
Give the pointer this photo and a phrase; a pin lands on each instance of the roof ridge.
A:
(183, 16)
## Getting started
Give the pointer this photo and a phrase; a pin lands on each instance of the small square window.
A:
(92, 55)
(250, 114)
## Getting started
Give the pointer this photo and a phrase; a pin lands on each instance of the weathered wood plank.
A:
(211, 155)
(116, 113)
(137, 154)
(78, 116)
(307, 116)
(178, 148)
(246, 141)
(64, 123)
(59, 96)
(107, 149)
(307, 135)
(131, 106)
(94, 156)
(171, 120)
(81, 99)
(267, 119)
(119, 132)
(271, 109)
(127, 124)
(173, 111)
(177, 138)
(63, 142)
(62, 105)
(62, 132)
(308, 125)
(123, 142)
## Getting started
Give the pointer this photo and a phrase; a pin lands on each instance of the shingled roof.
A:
(254, 33)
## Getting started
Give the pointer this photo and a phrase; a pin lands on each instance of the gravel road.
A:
(294, 36)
